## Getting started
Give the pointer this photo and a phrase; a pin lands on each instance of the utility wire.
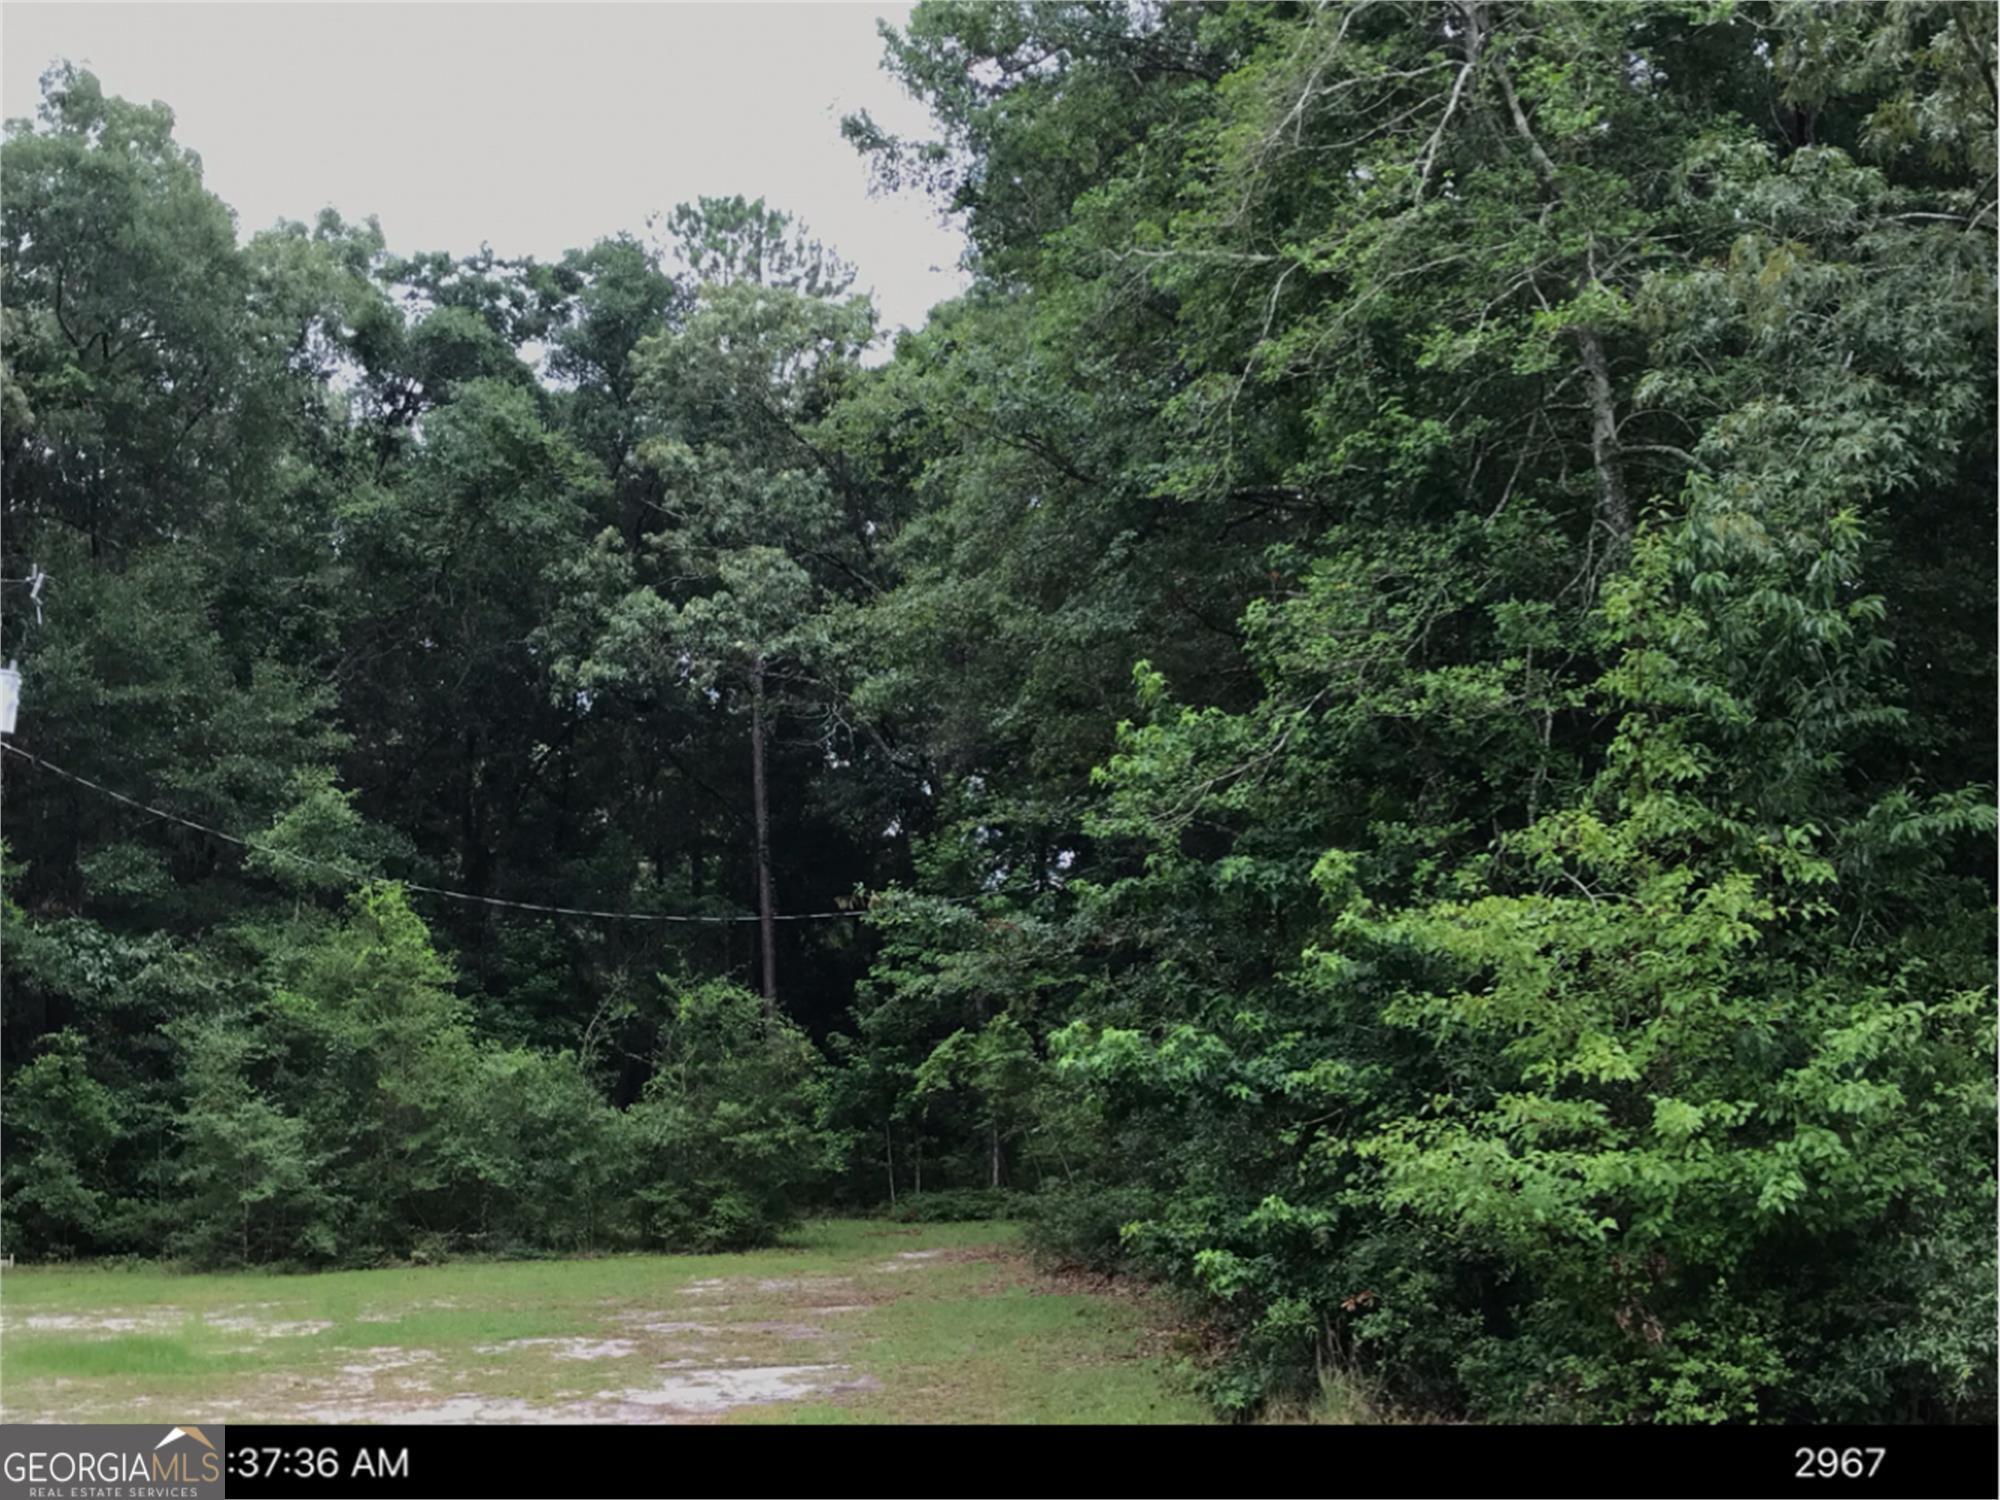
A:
(429, 890)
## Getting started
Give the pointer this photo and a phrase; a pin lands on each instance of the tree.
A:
(254, 1186)
(62, 1123)
(760, 536)
(729, 1132)
(732, 242)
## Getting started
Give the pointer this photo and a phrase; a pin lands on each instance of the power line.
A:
(429, 890)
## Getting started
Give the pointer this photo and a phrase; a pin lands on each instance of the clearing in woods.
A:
(850, 1321)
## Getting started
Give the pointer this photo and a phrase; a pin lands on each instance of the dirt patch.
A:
(379, 1361)
(803, 1283)
(909, 1260)
(566, 1348)
(716, 1286)
(702, 1367)
(168, 1320)
(160, 1319)
(434, 1304)
(456, 1411)
(785, 1330)
(913, 1260)
(690, 1395)
(301, 1328)
(704, 1392)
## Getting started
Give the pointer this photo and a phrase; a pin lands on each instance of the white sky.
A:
(537, 128)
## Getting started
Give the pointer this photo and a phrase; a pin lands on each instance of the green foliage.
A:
(555, 1156)
(252, 1187)
(1533, 953)
(724, 241)
(955, 1206)
(62, 1124)
(1085, 1224)
(727, 1138)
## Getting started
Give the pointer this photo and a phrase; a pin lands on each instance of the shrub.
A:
(61, 1124)
(729, 1136)
(956, 1205)
(558, 1155)
(1084, 1224)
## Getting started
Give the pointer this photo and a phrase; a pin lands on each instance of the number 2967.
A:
(1841, 1463)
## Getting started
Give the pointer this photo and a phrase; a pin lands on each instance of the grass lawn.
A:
(849, 1321)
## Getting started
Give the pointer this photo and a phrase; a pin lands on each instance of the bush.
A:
(956, 1206)
(729, 1135)
(1083, 1224)
(560, 1161)
(61, 1125)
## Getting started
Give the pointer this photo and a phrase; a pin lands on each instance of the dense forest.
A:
(1388, 724)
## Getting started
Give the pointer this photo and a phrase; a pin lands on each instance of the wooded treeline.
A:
(1394, 711)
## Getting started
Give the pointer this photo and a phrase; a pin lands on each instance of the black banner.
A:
(543, 1463)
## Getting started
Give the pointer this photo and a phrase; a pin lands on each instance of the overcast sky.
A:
(536, 128)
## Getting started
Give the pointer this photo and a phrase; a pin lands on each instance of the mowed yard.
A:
(850, 1321)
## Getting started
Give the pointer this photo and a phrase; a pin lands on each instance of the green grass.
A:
(880, 1323)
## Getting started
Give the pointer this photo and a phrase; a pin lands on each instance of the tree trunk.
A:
(766, 902)
(1614, 505)
(889, 1150)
